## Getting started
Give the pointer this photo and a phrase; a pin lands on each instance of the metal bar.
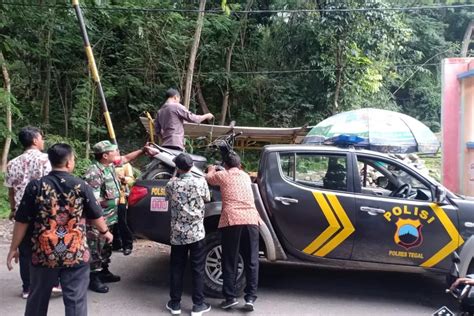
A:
(94, 71)
(151, 127)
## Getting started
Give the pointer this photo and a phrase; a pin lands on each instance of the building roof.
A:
(466, 74)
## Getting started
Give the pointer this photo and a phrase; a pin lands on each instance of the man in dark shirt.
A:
(170, 118)
(57, 206)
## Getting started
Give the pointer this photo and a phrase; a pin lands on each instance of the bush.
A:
(82, 163)
(4, 203)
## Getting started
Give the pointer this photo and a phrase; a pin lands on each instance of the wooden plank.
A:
(250, 134)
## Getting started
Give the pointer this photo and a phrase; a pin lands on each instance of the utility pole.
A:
(94, 71)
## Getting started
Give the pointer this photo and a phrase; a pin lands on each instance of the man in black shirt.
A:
(57, 206)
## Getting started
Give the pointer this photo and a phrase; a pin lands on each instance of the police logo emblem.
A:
(408, 234)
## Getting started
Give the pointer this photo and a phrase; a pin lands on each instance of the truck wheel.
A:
(213, 268)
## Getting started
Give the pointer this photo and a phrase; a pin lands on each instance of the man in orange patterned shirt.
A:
(239, 227)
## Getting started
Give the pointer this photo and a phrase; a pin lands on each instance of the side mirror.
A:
(440, 195)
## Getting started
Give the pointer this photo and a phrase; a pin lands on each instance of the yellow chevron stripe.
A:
(456, 239)
(346, 231)
(329, 231)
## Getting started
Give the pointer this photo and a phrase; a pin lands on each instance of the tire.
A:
(161, 172)
(213, 268)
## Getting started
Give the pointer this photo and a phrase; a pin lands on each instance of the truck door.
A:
(310, 203)
(397, 221)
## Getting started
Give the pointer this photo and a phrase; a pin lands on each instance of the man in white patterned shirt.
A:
(186, 195)
(31, 165)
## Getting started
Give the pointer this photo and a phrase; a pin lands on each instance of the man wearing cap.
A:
(186, 195)
(101, 176)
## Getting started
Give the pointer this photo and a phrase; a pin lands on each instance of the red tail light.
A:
(136, 194)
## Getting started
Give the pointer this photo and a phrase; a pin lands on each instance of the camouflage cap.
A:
(103, 146)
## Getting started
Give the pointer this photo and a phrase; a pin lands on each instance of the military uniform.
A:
(124, 238)
(106, 188)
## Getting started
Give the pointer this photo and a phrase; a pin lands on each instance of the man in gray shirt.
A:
(169, 121)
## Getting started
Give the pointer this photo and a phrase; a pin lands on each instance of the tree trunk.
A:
(200, 98)
(90, 113)
(225, 100)
(192, 56)
(8, 138)
(63, 102)
(66, 113)
(47, 82)
(228, 62)
(467, 39)
(339, 69)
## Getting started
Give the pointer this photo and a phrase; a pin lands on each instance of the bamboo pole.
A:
(94, 71)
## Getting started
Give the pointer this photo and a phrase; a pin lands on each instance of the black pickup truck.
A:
(322, 205)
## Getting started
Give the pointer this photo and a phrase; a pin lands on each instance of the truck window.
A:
(384, 178)
(315, 170)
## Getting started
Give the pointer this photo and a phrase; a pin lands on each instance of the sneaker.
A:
(127, 251)
(174, 307)
(198, 310)
(229, 303)
(248, 306)
(25, 294)
(57, 291)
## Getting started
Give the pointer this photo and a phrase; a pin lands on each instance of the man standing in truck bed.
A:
(170, 118)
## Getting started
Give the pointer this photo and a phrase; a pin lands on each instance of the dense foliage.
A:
(277, 68)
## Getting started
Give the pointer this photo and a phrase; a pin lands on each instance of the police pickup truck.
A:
(322, 205)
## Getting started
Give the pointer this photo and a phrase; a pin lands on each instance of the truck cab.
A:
(335, 207)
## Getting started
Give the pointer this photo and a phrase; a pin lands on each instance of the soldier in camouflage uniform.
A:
(101, 176)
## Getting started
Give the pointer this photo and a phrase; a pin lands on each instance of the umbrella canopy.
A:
(382, 130)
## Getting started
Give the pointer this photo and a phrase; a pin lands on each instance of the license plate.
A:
(158, 204)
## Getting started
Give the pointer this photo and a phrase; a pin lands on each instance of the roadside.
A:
(285, 289)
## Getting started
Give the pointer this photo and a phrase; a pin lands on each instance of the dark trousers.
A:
(25, 261)
(124, 232)
(74, 282)
(179, 258)
(241, 239)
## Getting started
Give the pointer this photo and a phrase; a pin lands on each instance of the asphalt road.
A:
(284, 290)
